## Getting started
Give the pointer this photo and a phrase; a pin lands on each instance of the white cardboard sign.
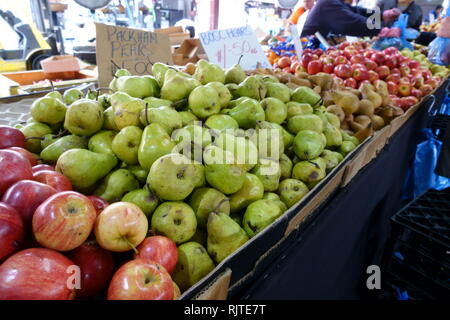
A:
(225, 47)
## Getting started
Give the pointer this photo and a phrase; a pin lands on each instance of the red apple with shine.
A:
(360, 74)
(383, 71)
(373, 76)
(358, 58)
(378, 57)
(12, 231)
(343, 71)
(141, 279)
(393, 77)
(416, 93)
(391, 62)
(41, 167)
(294, 66)
(432, 82)
(390, 51)
(328, 68)
(404, 89)
(314, 67)
(341, 60)
(405, 70)
(25, 196)
(64, 221)
(99, 203)
(96, 266)
(306, 58)
(54, 179)
(284, 62)
(11, 137)
(408, 102)
(392, 87)
(13, 167)
(370, 65)
(36, 274)
(426, 89)
(351, 83)
(159, 249)
(27, 154)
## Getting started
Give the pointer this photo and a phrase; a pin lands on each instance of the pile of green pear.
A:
(212, 158)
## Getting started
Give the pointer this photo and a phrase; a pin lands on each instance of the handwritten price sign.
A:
(225, 48)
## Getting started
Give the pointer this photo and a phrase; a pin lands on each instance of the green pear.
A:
(279, 91)
(144, 199)
(139, 172)
(176, 87)
(235, 102)
(308, 144)
(109, 123)
(192, 134)
(292, 191)
(135, 86)
(171, 177)
(331, 158)
(54, 150)
(223, 92)
(103, 101)
(125, 144)
(152, 102)
(333, 119)
(305, 122)
(208, 72)
(285, 166)
(247, 112)
(116, 184)
(275, 110)
(204, 102)
(83, 167)
(232, 87)
(346, 147)
(200, 237)
(167, 117)
(155, 142)
(252, 87)
(298, 109)
(55, 95)
(193, 265)
(72, 95)
(48, 110)
(259, 215)
(245, 152)
(347, 137)
(221, 122)
(91, 94)
(271, 196)
(48, 139)
(187, 117)
(206, 200)
(235, 74)
(333, 135)
(306, 95)
(126, 113)
(224, 236)
(101, 142)
(236, 217)
(310, 172)
(175, 220)
(84, 117)
(269, 172)
(252, 190)
(34, 132)
(199, 175)
(159, 71)
(220, 170)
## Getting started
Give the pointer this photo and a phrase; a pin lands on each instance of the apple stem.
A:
(131, 245)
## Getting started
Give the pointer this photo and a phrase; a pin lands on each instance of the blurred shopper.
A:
(409, 7)
(340, 18)
(437, 11)
(299, 10)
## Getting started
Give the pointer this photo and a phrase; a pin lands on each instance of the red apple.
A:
(419, 82)
(25, 153)
(11, 137)
(287, 70)
(405, 80)
(432, 82)
(13, 167)
(294, 66)
(368, 54)
(393, 77)
(315, 67)
(373, 76)
(397, 101)
(284, 62)
(159, 249)
(426, 89)
(358, 58)
(426, 73)
(307, 50)
(318, 51)
(36, 274)
(64, 221)
(54, 179)
(391, 62)
(326, 59)
(12, 232)
(328, 68)
(360, 74)
(383, 71)
(341, 60)
(405, 70)
(99, 203)
(306, 58)
(378, 57)
(343, 71)
(41, 167)
(370, 65)
(351, 83)
(96, 266)
(343, 45)
(408, 102)
(412, 80)
(404, 89)
(392, 87)
(390, 51)
(25, 196)
(122, 226)
(141, 279)
(416, 93)
(396, 71)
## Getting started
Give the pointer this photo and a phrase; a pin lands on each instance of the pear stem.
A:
(34, 138)
(52, 85)
(146, 113)
(178, 103)
(240, 58)
(220, 203)
(130, 244)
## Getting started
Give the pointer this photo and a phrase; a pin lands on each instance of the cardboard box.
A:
(191, 50)
(176, 35)
(57, 64)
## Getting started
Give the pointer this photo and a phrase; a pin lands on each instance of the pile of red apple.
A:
(287, 64)
(355, 64)
(53, 239)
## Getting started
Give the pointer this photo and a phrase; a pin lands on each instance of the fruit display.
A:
(148, 187)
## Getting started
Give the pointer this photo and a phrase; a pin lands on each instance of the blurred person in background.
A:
(299, 10)
(437, 11)
(409, 7)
